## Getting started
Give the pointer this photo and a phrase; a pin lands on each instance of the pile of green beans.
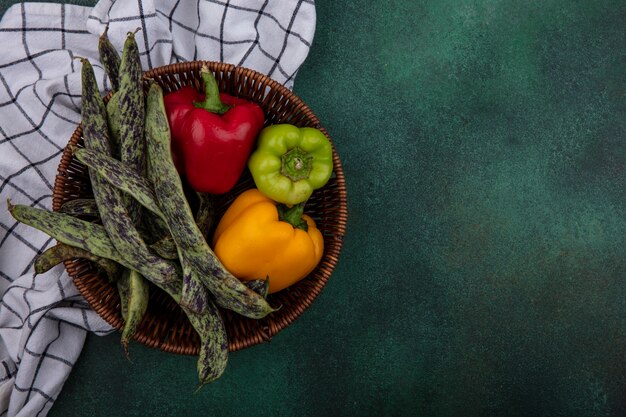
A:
(139, 228)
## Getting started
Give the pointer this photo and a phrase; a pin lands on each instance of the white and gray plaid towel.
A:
(43, 319)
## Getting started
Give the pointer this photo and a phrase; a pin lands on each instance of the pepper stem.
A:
(212, 100)
(296, 164)
(293, 215)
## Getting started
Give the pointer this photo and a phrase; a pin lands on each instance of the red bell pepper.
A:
(212, 134)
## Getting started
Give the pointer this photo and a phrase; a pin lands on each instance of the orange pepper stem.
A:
(293, 215)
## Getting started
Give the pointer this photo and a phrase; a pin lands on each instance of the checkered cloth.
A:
(43, 319)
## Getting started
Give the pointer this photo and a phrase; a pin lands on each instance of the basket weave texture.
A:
(165, 326)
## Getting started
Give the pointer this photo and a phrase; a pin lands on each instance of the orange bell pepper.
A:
(256, 239)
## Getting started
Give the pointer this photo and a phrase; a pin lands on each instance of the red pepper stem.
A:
(293, 215)
(212, 100)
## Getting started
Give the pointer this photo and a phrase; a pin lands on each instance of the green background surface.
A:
(483, 272)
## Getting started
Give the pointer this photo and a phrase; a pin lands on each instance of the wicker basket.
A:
(165, 326)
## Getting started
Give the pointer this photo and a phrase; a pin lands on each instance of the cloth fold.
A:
(43, 318)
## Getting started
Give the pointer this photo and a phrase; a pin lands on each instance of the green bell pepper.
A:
(289, 163)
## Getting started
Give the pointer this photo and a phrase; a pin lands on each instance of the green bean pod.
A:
(115, 219)
(259, 286)
(67, 229)
(165, 248)
(228, 291)
(141, 189)
(207, 321)
(62, 252)
(194, 292)
(94, 123)
(81, 207)
(123, 289)
(213, 355)
(126, 179)
(110, 59)
(131, 114)
(131, 107)
(155, 229)
(122, 177)
(205, 214)
(113, 120)
(94, 238)
(137, 304)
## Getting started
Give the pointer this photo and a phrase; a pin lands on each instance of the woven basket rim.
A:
(326, 265)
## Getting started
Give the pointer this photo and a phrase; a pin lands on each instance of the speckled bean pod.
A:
(122, 177)
(110, 59)
(81, 207)
(130, 99)
(115, 219)
(213, 356)
(62, 252)
(113, 120)
(137, 304)
(228, 291)
(94, 238)
(131, 114)
(259, 286)
(123, 288)
(205, 214)
(165, 248)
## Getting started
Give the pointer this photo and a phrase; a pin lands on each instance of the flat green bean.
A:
(228, 291)
(94, 238)
(62, 252)
(115, 219)
(137, 304)
(205, 214)
(110, 59)
(122, 177)
(81, 207)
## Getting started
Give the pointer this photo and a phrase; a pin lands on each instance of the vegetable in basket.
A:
(289, 163)
(212, 134)
(257, 238)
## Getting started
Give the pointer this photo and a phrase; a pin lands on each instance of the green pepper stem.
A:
(296, 164)
(212, 100)
(293, 215)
